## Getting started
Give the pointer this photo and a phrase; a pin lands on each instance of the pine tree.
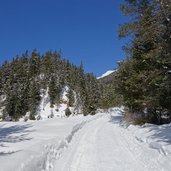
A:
(93, 94)
(71, 97)
(144, 79)
(82, 90)
(34, 97)
(34, 64)
(54, 91)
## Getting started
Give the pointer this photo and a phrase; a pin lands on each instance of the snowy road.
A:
(93, 143)
(104, 145)
(99, 146)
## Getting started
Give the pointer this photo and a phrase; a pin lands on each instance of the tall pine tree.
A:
(144, 79)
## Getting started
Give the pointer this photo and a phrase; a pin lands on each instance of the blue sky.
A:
(85, 30)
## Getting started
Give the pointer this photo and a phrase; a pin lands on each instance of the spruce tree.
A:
(54, 91)
(71, 97)
(34, 97)
(144, 79)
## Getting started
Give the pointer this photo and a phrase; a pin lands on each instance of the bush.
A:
(67, 112)
(32, 117)
(39, 117)
(26, 118)
(135, 118)
(93, 112)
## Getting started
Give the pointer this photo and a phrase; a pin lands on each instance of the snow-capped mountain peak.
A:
(106, 74)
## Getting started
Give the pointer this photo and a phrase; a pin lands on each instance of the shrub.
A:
(67, 112)
(39, 117)
(26, 118)
(32, 117)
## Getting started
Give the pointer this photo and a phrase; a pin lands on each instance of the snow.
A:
(92, 143)
(106, 74)
(64, 93)
(45, 110)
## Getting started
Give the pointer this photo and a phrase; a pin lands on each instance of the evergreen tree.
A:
(71, 97)
(34, 64)
(93, 94)
(54, 91)
(82, 89)
(34, 97)
(144, 79)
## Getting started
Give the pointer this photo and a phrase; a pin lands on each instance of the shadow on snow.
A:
(162, 133)
(8, 153)
(13, 134)
(116, 119)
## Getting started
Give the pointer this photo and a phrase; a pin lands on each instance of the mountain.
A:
(107, 73)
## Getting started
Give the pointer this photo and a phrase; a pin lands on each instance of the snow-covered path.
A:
(102, 145)
(93, 143)
(99, 146)
(105, 145)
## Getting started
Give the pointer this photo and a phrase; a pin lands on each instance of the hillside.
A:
(33, 84)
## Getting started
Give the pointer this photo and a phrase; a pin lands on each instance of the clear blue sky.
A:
(85, 30)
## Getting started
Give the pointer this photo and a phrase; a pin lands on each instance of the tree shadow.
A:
(7, 133)
(162, 133)
(8, 153)
(118, 119)
(2, 145)
(13, 134)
